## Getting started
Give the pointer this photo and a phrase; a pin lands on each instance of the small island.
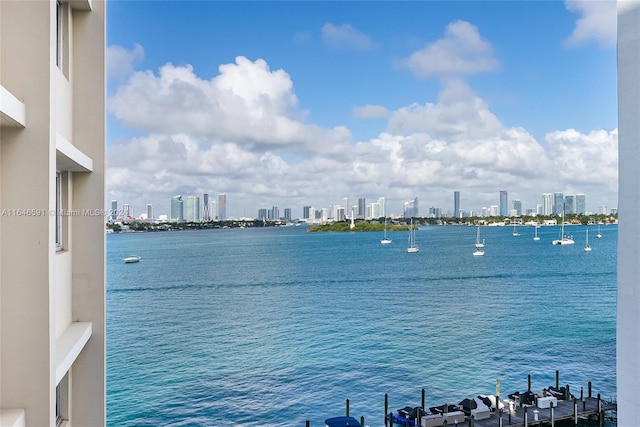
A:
(358, 226)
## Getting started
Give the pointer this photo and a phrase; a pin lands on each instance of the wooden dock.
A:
(532, 416)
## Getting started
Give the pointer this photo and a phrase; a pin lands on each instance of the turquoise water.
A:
(276, 326)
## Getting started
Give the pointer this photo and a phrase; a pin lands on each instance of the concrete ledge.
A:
(69, 158)
(12, 418)
(12, 111)
(69, 346)
(80, 4)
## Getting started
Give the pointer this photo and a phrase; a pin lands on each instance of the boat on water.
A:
(342, 422)
(599, 235)
(479, 244)
(587, 248)
(535, 235)
(515, 230)
(385, 240)
(412, 248)
(478, 252)
(132, 259)
(564, 239)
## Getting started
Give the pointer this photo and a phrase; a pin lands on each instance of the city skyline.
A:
(441, 97)
(549, 204)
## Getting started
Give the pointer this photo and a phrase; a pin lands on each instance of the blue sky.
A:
(304, 103)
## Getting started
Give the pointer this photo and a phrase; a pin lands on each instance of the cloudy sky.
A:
(304, 103)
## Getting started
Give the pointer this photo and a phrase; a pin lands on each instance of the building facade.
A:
(222, 206)
(193, 209)
(456, 204)
(52, 189)
(177, 209)
(503, 203)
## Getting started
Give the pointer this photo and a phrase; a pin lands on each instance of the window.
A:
(62, 400)
(59, 33)
(58, 213)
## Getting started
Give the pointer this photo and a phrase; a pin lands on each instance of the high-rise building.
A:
(287, 214)
(456, 204)
(150, 211)
(52, 330)
(126, 211)
(262, 214)
(345, 205)
(306, 212)
(503, 203)
(581, 204)
(114, 210)
(558, 203)
(193, 208)
(547, 204)
(569, 205)
(177, 209)
(411, 209)
(494, 210)
(517, 207)
(212, 210)
(222, 206)
(362, 208)
(382, 212)
(602, 210)
(274, 213)
(205, 207)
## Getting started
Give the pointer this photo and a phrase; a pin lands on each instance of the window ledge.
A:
(12, 418)
(81, 4)
(69, 346)
(12, 111)
(69, 158)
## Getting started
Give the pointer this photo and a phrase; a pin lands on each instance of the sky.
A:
(304, 103)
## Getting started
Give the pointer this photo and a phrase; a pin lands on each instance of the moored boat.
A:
(132, 259)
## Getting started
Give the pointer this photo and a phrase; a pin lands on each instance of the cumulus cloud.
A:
(461, 52)
(122, 61)
(246, 102)
(370, 112)
(597, 22)
(345, 37)
(223, 135)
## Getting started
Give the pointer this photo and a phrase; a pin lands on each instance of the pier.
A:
(552, 406)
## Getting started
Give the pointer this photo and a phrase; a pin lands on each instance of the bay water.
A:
(277, 326)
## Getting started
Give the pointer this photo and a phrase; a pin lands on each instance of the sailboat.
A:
(587, 248)
(479, 244)
(515, 231)
(563, 240)
(385, 240)
(535, 236)
(599, 235)
(412, 248)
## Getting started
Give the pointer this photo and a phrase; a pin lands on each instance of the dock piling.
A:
(575, 412)
(386, 410)
(589, 389)
(347, 407)
(362, 420)
(526, 417)
(529, 382)
(551, 414)
(423, 398)
(308, 423)
(557, 379)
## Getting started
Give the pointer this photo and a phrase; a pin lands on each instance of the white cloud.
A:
(246, 103)
(345, 37)
(370, 112)
(461, 52)
(121, 61)
(598, 22)
(238, 134)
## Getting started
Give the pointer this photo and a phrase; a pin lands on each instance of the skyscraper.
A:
(547, 204)
(569, 204)
(306, 211)
(205, 207)
(456, 204)
(222, 206)
(287, 214)
(177, 210)
(212, 210)
(558, 203)
(517, 207)
(503, 203)
(114, 210)
(362, 208)
(381, 208)
(193, 208)
(581, 204)
(150, 211)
